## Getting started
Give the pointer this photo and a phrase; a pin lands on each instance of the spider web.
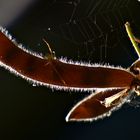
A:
(96, 28)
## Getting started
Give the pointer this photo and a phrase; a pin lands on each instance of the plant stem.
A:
(132, 38)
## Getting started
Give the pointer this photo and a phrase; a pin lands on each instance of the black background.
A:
(32, 112)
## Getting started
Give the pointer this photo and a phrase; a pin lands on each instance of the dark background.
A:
(90, 31)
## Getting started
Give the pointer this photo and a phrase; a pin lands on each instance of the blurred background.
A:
(91, 31)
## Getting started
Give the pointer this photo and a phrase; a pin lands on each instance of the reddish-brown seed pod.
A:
(62, 74)
(57, 73)
(92, 108)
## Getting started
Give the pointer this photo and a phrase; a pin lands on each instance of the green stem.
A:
(132, 38)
